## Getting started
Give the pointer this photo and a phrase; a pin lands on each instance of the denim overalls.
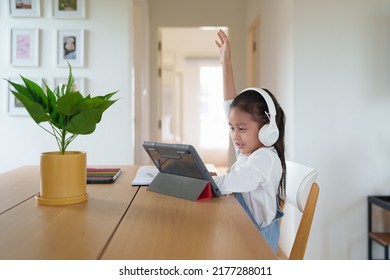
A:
(271, 232)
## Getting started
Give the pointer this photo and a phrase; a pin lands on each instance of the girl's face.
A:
(244, 131)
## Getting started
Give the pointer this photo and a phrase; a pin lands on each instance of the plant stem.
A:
(69, 140)
(48, 130)
(54, 133)
(63, 142)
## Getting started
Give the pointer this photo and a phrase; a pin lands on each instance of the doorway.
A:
(191, 92)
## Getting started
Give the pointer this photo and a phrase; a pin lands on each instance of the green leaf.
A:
(31, 91)
(51, 102)
(21, 89)
(69, 85)
(36, 92)
(108, 96)
(96, 103)
(68, 104)
(36, 111)
(84, 122)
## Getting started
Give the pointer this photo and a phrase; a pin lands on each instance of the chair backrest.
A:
(302, 193)
(299, 179)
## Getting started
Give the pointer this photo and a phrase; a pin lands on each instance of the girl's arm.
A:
(229, 88)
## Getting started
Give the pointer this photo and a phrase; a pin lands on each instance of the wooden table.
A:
(122, 222)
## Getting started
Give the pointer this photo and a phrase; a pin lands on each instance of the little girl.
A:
(257, 178)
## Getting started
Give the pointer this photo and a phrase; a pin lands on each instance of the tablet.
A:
(179, 159)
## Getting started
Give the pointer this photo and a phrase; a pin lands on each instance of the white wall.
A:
(108, 66)
(342, 90)
(341, 98)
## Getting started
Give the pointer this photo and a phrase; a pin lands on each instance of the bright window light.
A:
(214, 133)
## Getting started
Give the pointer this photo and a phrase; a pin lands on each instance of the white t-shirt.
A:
(257, 177)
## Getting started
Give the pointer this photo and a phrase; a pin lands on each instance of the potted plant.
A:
(66, 114)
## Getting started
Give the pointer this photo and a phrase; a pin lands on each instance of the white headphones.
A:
(268, 133)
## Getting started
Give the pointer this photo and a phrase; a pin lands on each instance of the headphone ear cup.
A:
(268, 135)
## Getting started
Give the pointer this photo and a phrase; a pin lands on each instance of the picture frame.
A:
(69, 9)
(70, 48)
(15, 107)
(24, 47)
(25, 8)
(79, 83)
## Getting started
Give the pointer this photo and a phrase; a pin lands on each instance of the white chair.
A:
(301, 194)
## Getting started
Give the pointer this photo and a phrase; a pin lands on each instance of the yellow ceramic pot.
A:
(63, 178)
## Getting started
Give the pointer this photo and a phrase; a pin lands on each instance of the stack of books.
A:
(102, 175)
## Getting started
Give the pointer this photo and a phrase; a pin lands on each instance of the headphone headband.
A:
(267, 97)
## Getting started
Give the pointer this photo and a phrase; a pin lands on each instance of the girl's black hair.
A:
(250, 101)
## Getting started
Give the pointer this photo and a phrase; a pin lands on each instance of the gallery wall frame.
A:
(25, 8)
(79, 83)
(70, 48)
(15, 107)
(69, 9)
(24, 47)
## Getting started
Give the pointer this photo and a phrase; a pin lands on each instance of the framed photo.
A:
(25, 8)
(15, 107)
(69, 9)
(24, 47)
(79, 83)
(70, 48)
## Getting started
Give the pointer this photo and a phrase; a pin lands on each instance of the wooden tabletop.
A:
(122, 222)
(15, 187)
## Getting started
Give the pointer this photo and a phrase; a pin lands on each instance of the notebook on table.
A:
(144, 176)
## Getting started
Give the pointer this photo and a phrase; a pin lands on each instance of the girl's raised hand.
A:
(224, 47)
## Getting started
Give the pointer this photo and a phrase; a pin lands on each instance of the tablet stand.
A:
(181, 186)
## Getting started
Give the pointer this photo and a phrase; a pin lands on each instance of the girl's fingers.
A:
(222, 35)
